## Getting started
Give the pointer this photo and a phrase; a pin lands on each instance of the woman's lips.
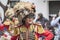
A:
(29, 20)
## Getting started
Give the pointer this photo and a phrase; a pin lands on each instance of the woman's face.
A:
(13, 18)
(38, 17)
(7, 19)
(29, 20)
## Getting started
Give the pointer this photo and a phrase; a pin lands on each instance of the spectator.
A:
(1, 26)
(42, 20)
(54, 22)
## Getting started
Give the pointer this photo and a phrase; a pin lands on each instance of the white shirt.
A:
(2, 13)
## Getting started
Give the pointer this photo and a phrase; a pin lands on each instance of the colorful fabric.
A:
(48, 35)
(1, 27)
(39, 29)
(31, 29)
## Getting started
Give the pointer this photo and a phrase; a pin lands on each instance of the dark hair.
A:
(31, 15)
(40, 15)
(59, 21)
(28, 16)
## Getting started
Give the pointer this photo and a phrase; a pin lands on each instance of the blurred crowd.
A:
(15, 31)
(18, 24)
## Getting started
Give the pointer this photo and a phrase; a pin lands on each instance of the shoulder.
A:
(45, 19)
(58, 18)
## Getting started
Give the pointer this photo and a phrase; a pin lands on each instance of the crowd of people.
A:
(28, 30)
(19, 25)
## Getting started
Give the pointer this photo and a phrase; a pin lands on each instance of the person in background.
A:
(56, 23)
(7, 23)
(42, 20)
(14, 29)
(1, 26)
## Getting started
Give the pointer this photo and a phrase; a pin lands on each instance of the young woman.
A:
(7, 23)
(14, 29)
